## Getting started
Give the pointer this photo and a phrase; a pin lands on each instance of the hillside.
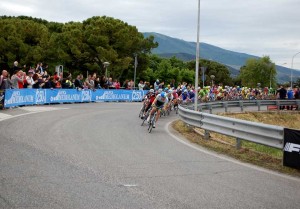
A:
(186, 51)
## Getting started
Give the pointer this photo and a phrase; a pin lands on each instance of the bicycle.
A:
(152, 121)
(145, 103)
(146, 116)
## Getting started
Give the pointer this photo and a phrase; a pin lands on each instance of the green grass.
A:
(260, 155)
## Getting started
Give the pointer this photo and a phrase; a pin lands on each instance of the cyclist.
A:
(170, 98)
(159, 102)
(185, 97)
(150, 97)
(175, 98)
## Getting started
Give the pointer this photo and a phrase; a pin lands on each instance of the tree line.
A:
(84, 46)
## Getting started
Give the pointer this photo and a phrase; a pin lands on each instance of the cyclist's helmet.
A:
(151, 91)
(166, 89)
(170, 91)
(163, 94)
(159, 91)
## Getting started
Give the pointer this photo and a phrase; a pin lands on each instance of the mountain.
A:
(184, 50)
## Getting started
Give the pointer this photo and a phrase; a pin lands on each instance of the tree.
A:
(78, 46)
(258, 71)
(221, 72)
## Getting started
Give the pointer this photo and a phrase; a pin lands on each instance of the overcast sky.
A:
(257, 27)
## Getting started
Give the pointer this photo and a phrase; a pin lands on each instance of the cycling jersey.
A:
(184, 96)
(175, 95)
(170, 97)
(160, 101)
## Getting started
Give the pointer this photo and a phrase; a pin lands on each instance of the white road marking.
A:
(40, 108)
(198, 148)
(129, 185)
(4, 116)
(30, 110)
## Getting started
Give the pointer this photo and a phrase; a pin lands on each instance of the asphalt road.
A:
(98, 156)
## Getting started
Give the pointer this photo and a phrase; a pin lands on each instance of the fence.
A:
(245, 103)
(269, 135)
(17, 97)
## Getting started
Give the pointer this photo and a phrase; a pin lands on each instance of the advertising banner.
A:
(18, 97)
(291, 151)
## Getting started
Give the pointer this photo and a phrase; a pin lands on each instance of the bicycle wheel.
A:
(152, 119)
(145, 118)
(142, 111)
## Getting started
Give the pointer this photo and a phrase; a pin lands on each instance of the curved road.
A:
(98, 156)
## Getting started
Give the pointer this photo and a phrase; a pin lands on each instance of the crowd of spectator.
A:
(35, 78)
(38, 77)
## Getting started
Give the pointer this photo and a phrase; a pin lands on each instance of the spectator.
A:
(37, 81)
(125, 84)
(297, 93)
(49, 82)
(147, 86)
(117, 84)
(89, 82)
(130, 84)
(39, 69)
(78, 82)
(30, 80)
(15, 79)
(4, 81)
(141, 85)
(156, 84)
(281, 92)
(22, 84)
(103, 82)
(97, 83)
(110, 83)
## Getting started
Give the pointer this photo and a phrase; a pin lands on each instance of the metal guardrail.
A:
(264, 134)
(245, 103)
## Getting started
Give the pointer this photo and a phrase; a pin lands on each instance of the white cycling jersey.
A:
(160, 101)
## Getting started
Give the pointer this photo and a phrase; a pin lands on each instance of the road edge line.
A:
(184, 141)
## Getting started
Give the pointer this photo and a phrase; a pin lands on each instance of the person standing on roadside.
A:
(281, 92)
(15, 79)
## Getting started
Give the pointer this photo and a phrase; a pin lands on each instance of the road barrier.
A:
(245, 103)
(17, 97)
(268, 135)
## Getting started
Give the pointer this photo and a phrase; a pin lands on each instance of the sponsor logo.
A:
(291, 147)
(86, 95)
(40, 96)
(64, 96)
(110, 95)
(17, 98)
(137, 95)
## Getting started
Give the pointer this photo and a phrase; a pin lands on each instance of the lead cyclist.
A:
(160, 101)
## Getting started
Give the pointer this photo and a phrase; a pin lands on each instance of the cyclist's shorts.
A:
(158, 107)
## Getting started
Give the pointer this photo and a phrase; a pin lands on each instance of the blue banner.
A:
(17, 97)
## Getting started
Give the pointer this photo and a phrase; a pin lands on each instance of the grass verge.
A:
(259, 155)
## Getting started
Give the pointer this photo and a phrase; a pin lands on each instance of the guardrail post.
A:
(225, 104)
(238, 143)
(278, 105)
(258, 105)
(206, 135)
(210, 109)
(241, 106)
(200, 108)
(298, 104)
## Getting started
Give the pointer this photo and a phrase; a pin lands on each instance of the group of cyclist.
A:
(160, 100)
(164, 99)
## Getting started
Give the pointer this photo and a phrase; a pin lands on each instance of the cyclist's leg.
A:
(146, 110)
(151, 112)
(158, 114)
